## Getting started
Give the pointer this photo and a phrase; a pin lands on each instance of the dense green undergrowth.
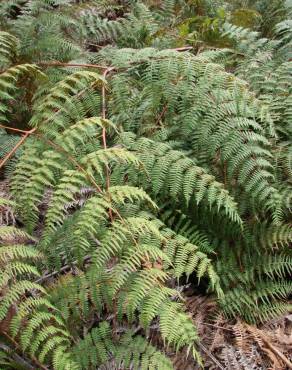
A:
(156, 154)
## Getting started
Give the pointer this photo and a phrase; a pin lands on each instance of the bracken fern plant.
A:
(144, 169)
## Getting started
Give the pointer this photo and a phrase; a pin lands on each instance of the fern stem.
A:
(161, 115)
(271, 347)
(34, 359)
(72, 160)
(104, 75)
(60, 64)
(278, 353)
(209, 354)
(86, 65)
(13, 129)
(20, 142)
(103, 94)
(183, 48)
(63, 269)
(217, 327)
(22, 362)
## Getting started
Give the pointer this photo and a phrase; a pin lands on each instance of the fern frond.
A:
(172, 170)
(95, 348)
(8, 80)
(136, 352)
(62, 94)
(187, 182)
(176, 327)
(8, 48)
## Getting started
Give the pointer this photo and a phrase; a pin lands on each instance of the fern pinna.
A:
(144, 171)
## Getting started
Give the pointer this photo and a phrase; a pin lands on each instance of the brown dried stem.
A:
(20, 142)
(34, 359)
(60, 64)
(103, 114)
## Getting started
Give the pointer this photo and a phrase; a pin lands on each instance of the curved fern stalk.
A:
(120, 232)
(96, 210)
(95, 161)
